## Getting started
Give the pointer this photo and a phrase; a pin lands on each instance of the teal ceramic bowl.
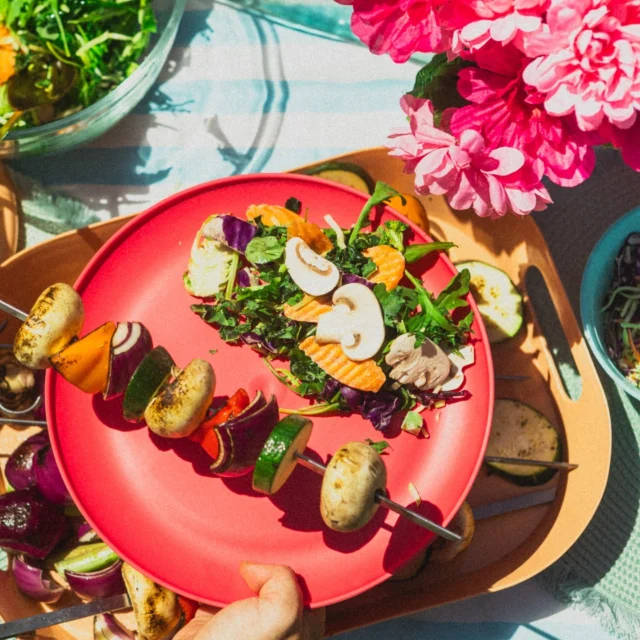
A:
(596, 283)
(86, 125)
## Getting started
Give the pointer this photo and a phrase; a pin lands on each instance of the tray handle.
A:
(540, 257)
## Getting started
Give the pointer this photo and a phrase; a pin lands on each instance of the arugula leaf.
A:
(312, 377)
(378, 446)
(264, 249)
(417, 251)
(381, 193)
(452, 296)
(293, 204)
(396, 304)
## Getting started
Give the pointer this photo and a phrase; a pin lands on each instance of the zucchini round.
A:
(519, 431)
(346, 173)
(147, 380)
(277, 460)
(499, 302)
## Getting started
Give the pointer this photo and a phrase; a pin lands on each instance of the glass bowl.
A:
(596, 282)
(93, 121)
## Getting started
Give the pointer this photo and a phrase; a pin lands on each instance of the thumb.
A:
(273, 583)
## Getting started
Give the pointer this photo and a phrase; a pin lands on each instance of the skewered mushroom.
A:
(54, 321)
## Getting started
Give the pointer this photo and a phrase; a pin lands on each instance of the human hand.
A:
(276, 613)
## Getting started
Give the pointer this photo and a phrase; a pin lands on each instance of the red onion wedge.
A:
(97, 584)
(29, 524)
(106, 627)
(129, 345)
(241, 439)
(32, 582)
(20, 469)
(49, 482)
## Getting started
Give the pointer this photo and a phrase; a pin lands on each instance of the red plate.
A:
(153, 500)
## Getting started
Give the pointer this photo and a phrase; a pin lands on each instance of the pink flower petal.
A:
(511, 160)
(561, 102)
(503, 29)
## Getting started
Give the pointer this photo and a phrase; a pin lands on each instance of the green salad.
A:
(359, 330)
(60, 56)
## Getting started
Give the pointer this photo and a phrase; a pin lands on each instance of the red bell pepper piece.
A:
(205, 434)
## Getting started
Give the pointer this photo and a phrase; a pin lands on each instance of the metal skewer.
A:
(416, 518)
(532, 463)
(23, 423)
(11, 310)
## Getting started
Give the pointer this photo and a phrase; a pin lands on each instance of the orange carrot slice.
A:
(365, 375)
(7, 54)
(390, 263)
(309, 309)
(273, 215)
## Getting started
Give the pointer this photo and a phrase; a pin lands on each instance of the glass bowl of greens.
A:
(77, 67)
(610, 302)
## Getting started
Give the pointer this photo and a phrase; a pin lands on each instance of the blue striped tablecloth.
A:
(241, 95)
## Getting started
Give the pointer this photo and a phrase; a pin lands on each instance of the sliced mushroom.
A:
(425, 367)
(355, 322)
(54, 321)
(466, 356)
(314, 274)
(156, 609)
(181, 406)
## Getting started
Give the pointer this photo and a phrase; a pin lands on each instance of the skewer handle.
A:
(416, 518)
(11, 310)
(566, 466)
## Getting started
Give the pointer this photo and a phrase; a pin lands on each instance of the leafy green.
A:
(381, 193)
(96, 43)
(378, 446)
(392, 233)
(312, 377)
(417, 251)
(263, 250)
(397, 304)
(438, 81)
(434, 321)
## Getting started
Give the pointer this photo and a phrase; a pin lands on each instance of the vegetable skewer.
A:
(416, 518)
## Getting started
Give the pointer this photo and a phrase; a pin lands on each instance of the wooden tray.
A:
(507, 549)
(8, 216)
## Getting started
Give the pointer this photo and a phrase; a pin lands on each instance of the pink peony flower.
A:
(493, 182)
(499, 20)
(399, 28)
(591, 61)
(509, 113)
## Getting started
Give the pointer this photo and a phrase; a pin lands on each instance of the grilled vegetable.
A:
(519, 431)
(411, 208)
(129, 345)
(155, 608)
(352, 478)
(346, 173)
(463, 524)
(85, 363)
(277, 460)
(181, 405)
(499, 302)
(147, 380)
(241, 439)
(54, 321)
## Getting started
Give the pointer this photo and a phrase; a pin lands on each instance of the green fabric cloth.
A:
(601, 572)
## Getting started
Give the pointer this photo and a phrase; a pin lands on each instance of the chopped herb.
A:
(378, 446)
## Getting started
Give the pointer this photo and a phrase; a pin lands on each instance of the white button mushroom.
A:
(314, 274)
(54, 321)
(355, 322)
(352, 478)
